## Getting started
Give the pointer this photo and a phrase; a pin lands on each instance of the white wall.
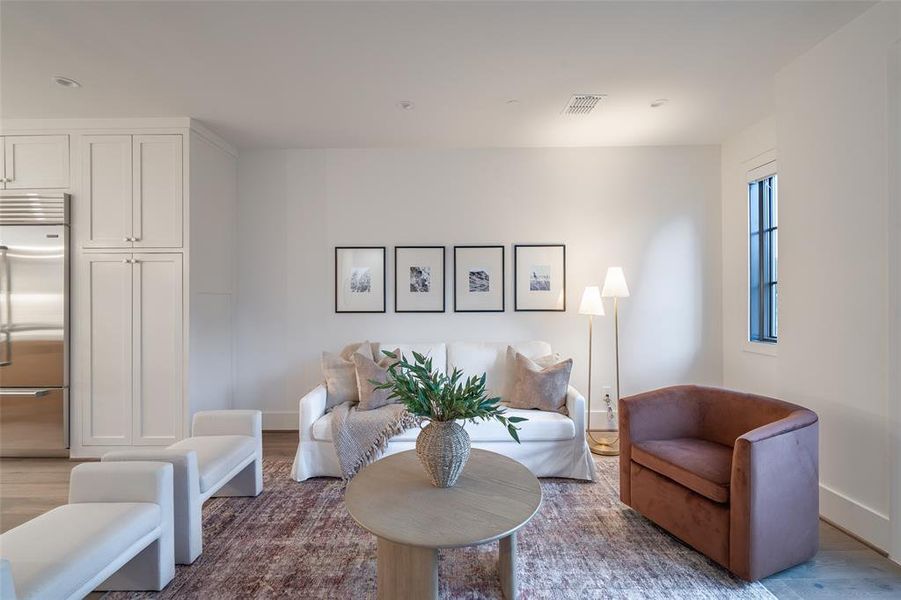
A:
(831, 133)
(213, 205)
(895, 290)
(655, 211)
(746, 366)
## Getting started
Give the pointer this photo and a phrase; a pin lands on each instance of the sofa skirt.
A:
(569, 459)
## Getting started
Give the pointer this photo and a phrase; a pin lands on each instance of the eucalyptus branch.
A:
(430, 394)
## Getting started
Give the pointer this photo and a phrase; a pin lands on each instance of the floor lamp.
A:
(593, 306)
(615, 287)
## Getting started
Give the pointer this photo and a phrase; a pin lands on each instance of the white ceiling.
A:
(330, 74)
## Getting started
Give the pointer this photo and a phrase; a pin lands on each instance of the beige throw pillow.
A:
(368, 369)
(510, 373)
(340, 374)
(536, 386)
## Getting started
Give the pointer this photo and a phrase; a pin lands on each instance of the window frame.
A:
(762, 327)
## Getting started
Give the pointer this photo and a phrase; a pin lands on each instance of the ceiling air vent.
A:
(582, 104)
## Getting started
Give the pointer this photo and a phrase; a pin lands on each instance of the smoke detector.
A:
(582, 104)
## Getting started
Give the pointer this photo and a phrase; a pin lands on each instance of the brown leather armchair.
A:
(733, 475)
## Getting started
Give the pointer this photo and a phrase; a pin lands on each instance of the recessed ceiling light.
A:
(65, 82)
(405, 105)
(659, 102)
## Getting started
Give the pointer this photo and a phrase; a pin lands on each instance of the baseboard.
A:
(279, 420)
(861, 521)
(599, 420)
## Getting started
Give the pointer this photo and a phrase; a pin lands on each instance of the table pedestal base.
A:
(407, 572)
(506, 566)
(411, 572)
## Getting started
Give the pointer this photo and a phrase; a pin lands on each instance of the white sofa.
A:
(116, 533)
(223, 457)
(553, 445)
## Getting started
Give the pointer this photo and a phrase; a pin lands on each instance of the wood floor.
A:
(844, 567)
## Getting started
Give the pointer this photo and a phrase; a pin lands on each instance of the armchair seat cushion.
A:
(217, 455)
(701, 466)
(57, 552)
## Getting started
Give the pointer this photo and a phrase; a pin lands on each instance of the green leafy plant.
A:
(430, 394)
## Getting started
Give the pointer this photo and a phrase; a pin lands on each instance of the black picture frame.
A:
(384, 250)
(503, 306)
(516, 248)
(443, 278)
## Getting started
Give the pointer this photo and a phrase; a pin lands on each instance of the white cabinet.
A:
(158, 349)
(134, 191)
(107, 183)
(35, 162)
(158, 185)
(133, 351)
(106, 350)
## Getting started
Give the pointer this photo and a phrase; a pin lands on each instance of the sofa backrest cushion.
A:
(475, 358)
(438, 352)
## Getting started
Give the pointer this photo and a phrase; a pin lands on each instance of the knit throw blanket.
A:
(361, 436)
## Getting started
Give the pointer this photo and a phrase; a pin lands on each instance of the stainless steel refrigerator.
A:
(34, 324)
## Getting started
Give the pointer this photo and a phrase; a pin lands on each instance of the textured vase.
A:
(443, 449)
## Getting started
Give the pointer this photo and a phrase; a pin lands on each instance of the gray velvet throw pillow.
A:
(368, 371)
(535, 386)
(340, 374)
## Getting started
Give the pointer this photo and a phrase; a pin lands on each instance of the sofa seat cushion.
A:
(55, 554)
(217, 455)
(701, 466)
(541, 426)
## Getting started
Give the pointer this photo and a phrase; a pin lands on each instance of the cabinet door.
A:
(159, 349)
(158, 191)
(106, 279)
(107, 184)
(2, 164)
(36, 161)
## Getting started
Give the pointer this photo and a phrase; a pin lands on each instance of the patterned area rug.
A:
(296, 540)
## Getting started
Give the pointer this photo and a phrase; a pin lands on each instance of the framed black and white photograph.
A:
(539, 277)
(360, 279)
(479, 279)
(419, 281)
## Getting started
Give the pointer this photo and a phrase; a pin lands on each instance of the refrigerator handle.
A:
(6, 282)
(35, 392)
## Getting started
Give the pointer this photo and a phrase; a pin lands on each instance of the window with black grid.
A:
(763, 259)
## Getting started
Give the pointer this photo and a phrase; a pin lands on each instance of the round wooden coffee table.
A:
(394, 499)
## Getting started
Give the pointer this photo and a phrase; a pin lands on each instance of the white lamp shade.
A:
(615, 284)
(591, 302)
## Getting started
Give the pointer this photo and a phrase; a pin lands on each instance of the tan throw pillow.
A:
(539, 387)
(367, 369)
(542, 361)
(340, 374)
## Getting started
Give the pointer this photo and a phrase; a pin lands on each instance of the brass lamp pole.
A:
(593, 306)
(614, 287)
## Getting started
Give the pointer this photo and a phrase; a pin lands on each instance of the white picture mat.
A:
(490, 260)
(433, 258)
(349, 259)
(528, 257)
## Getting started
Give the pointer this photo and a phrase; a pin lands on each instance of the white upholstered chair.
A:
(116, 533)
(223, 457)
